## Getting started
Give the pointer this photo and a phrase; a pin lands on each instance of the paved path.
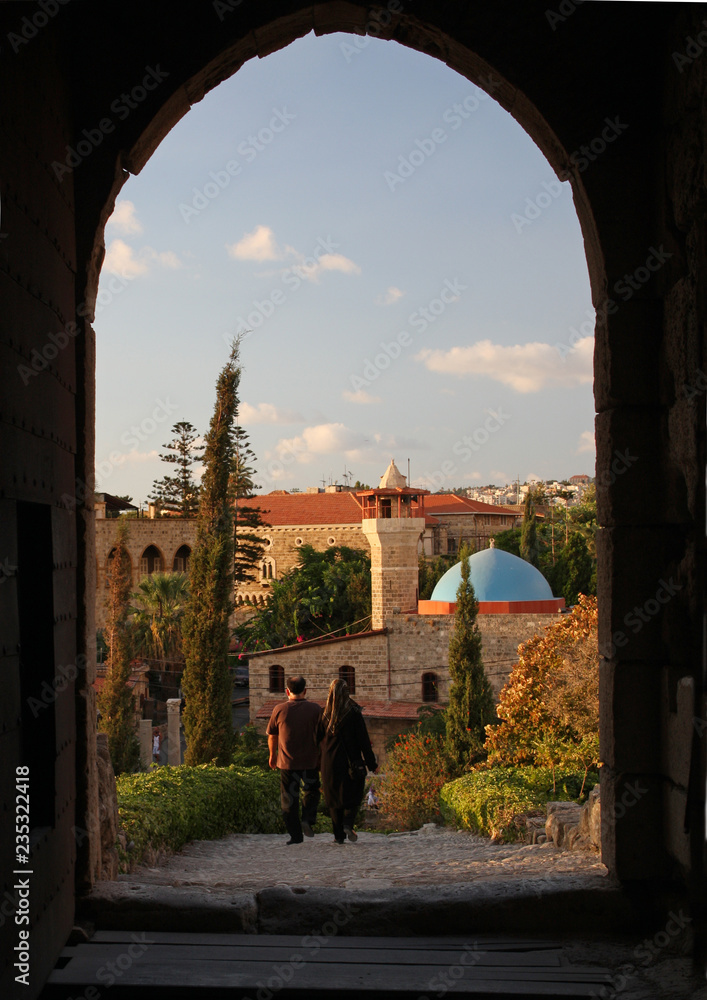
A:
(430, 856)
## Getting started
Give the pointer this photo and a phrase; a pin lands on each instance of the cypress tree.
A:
(471, 703)
(115, 701)
(529, 535)
(206, 681)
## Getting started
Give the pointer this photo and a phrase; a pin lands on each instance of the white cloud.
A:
(361, 396)
(523, 367)
(266, 413)
(586, 442)
(259, 245)
(322, 439)
(337, 262)
(390, 297)
(122, 260)
(499, 477)
(124, 219)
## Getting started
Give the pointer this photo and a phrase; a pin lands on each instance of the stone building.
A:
(334, 516)
(641, 204)
(402, 663)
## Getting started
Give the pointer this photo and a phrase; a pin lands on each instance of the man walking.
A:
(293, 749)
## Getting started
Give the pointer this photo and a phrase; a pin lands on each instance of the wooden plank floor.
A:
(164, 964)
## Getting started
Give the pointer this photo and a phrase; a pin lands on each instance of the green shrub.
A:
(166, 807)
(490, 800)
(250, 748)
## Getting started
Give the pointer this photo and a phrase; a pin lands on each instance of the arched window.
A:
(348, 674)
(267, 569)
(181, 559)
(430, 691)
(276, 679)
(151, 561)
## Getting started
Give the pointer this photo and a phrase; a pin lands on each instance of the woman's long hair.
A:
(338, 705)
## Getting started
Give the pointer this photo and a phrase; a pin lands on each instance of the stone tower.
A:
(393, 521)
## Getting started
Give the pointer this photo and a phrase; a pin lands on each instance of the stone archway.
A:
(641, 208)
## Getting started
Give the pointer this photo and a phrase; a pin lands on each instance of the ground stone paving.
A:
(430, 856)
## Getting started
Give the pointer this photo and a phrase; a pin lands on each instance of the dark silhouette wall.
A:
(70, 140)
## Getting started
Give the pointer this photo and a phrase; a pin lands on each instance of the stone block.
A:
(641, 578)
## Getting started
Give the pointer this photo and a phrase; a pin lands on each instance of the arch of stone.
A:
(88, 91)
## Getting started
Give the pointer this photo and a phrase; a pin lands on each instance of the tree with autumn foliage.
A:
(206, 681)
(471, 704)
(115, 701)
(549, 707)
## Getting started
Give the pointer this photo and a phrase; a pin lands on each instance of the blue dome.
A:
(496, 576)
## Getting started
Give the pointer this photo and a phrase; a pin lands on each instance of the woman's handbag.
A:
(357, 769)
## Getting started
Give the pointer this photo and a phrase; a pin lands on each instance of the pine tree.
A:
(529, 537)
(115, 701)
(471, 703)
(206, 634)
(180, 493)
(249, 546)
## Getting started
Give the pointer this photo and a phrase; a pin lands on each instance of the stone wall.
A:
(389, 665)
(282, 552)
(394, 568)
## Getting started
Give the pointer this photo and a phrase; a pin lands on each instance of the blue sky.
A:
(407, 264)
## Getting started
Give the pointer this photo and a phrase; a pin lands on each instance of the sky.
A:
(405, 269)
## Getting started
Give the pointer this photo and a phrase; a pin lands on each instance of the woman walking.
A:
(346, 753)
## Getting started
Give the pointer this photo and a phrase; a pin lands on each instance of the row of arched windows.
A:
(151, 561)
(429, 680)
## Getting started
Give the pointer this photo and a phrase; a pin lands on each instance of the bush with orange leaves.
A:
(549, 707)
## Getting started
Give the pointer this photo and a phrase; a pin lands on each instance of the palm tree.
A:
(156, 615)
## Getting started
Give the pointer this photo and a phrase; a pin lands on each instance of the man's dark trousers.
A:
(290, 782)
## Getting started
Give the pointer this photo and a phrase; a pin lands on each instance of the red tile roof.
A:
(451, 503)
(308, 508)
(295, 509)
(318, 642)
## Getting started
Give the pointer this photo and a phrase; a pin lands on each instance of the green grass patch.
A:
(489, 801)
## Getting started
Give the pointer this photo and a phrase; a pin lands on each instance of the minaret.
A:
(393, 521)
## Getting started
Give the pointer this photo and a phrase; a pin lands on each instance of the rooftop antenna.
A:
(408, 472)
